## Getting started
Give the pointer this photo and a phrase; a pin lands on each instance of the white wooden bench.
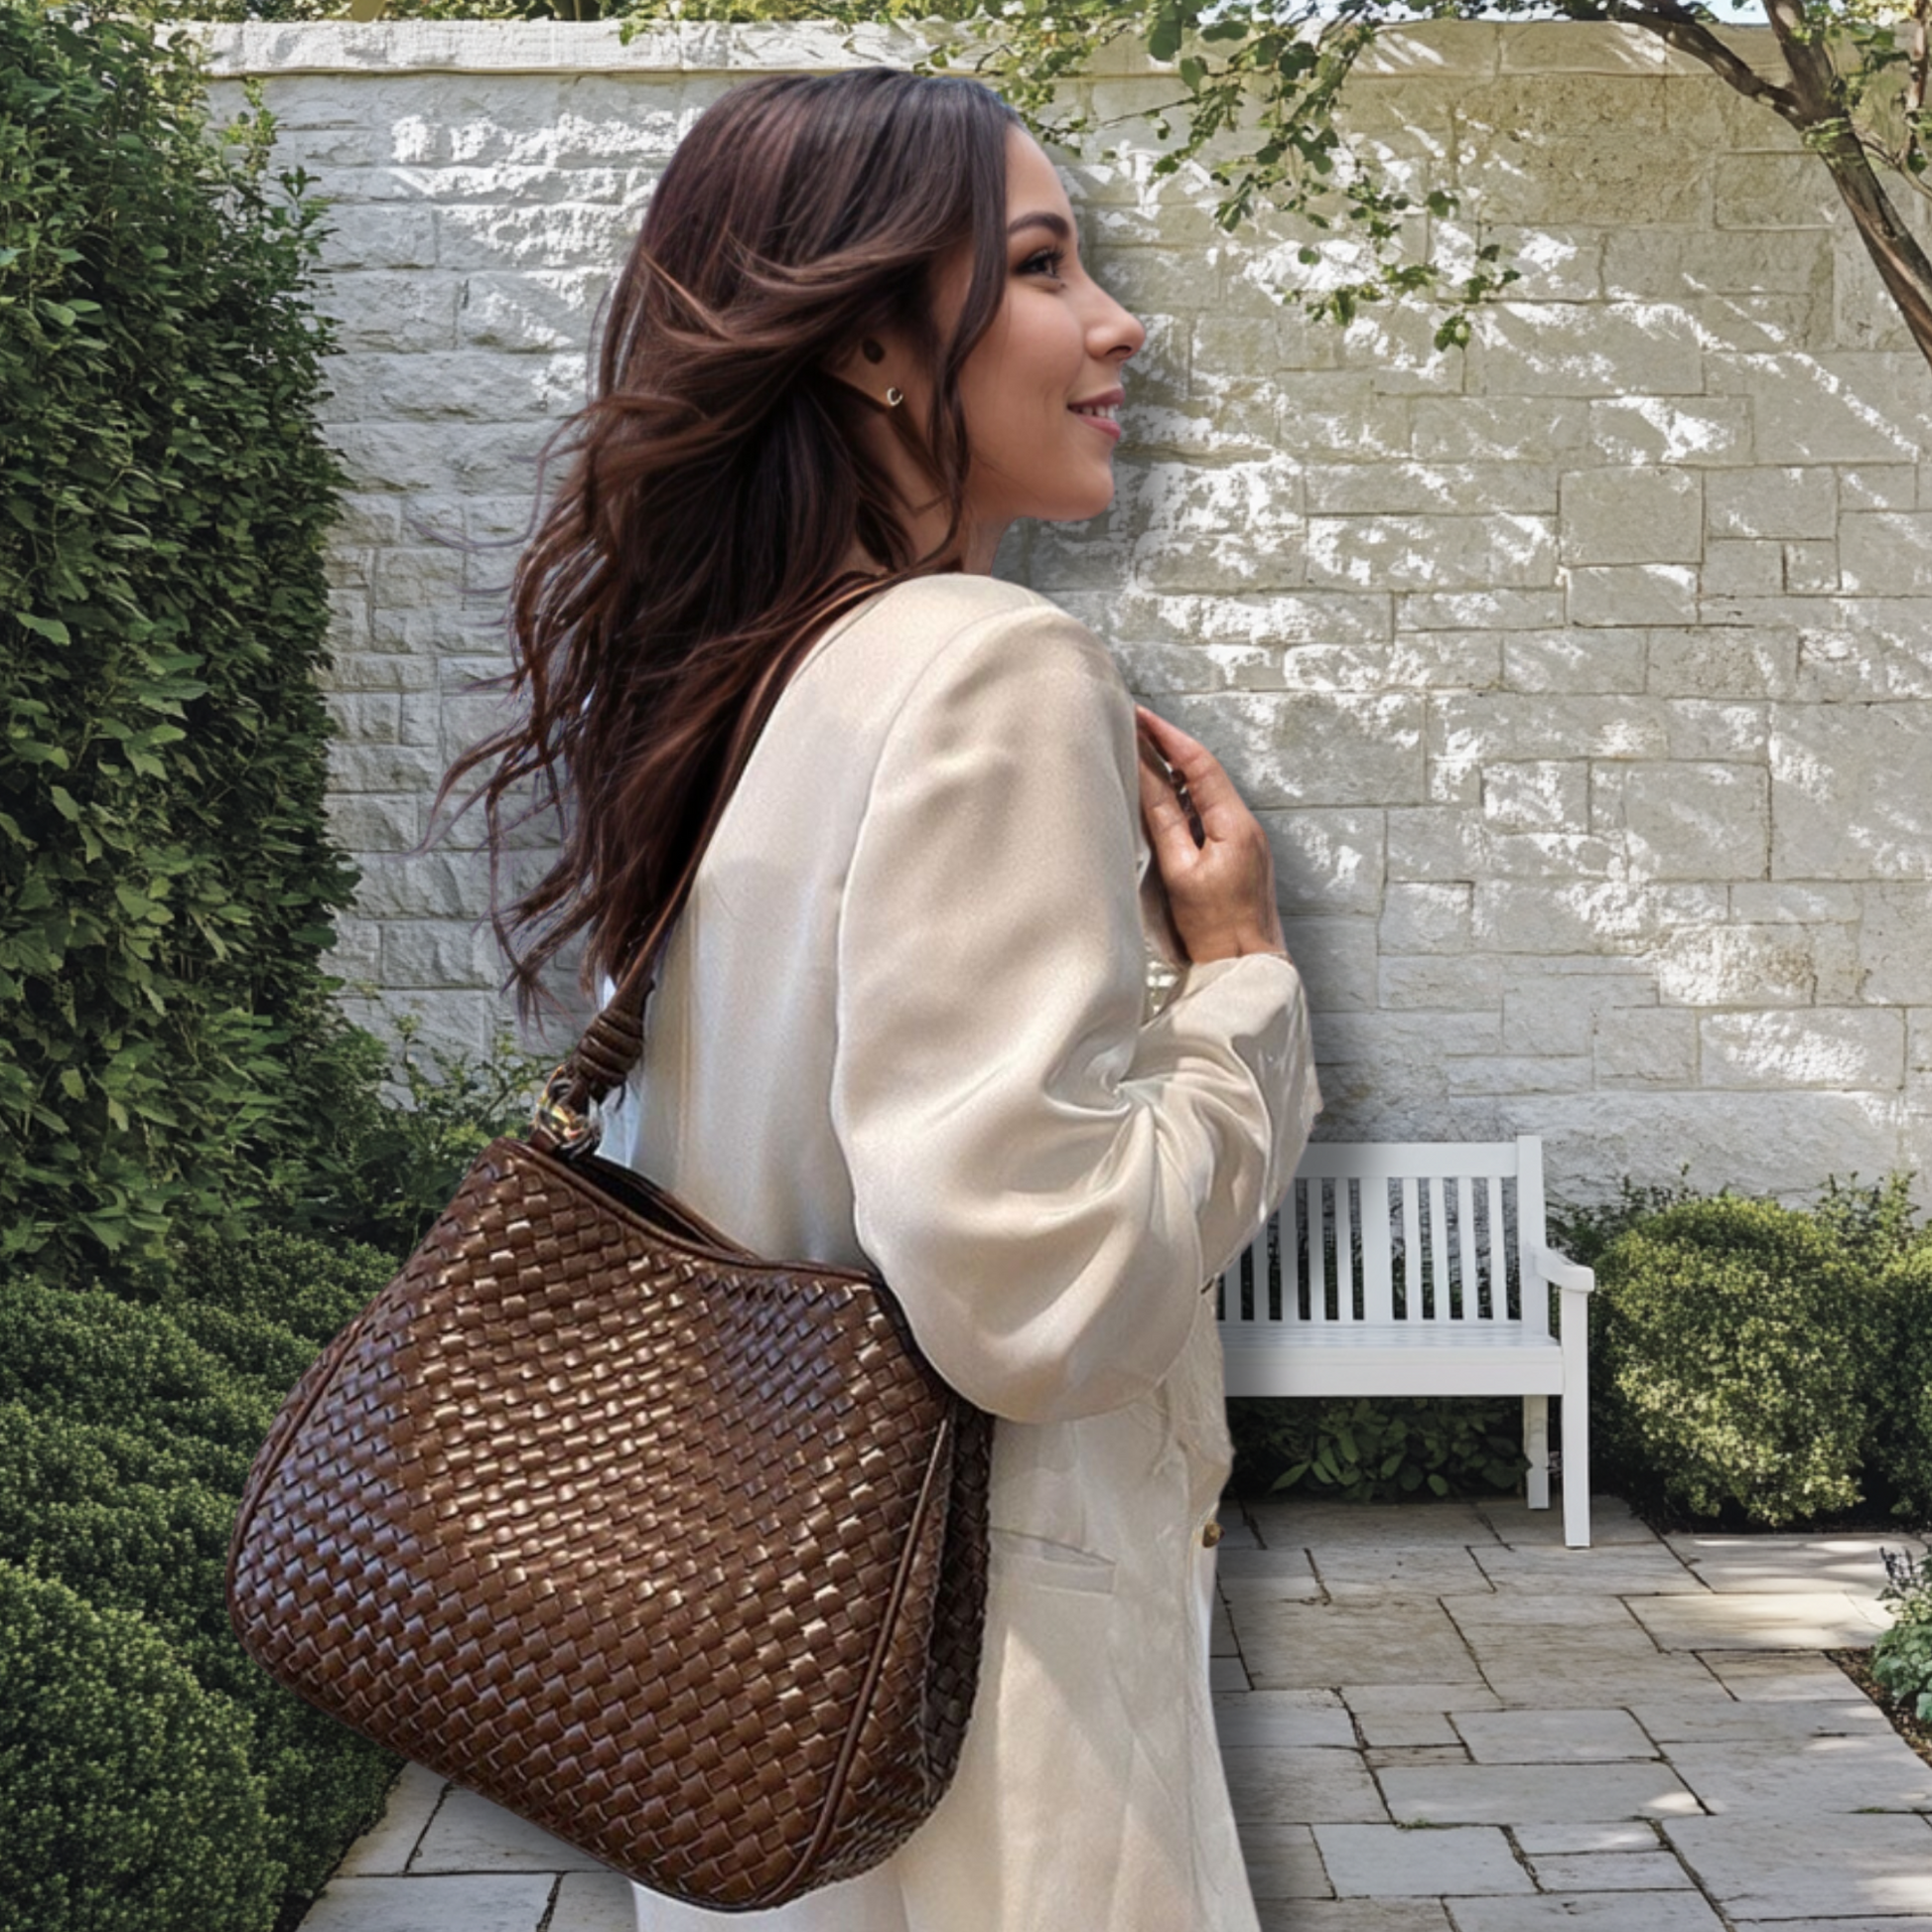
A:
(1389, 1269)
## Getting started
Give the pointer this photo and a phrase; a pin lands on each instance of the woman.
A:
(925, 1009)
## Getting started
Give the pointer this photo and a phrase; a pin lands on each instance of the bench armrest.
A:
(1561, 1271)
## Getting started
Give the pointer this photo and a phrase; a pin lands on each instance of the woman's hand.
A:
(1222, 891)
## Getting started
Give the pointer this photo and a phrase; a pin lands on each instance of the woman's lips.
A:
(1099, 422)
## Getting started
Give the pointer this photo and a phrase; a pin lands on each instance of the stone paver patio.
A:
(1438, 1719)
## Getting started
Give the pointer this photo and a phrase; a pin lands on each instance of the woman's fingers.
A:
(1208, 785)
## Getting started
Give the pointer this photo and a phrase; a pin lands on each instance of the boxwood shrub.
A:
(130, 1801)
(1730, 1342)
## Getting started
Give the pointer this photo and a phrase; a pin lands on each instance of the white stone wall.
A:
(1584, 680)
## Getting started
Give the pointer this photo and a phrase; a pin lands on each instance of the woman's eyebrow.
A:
(1044, 218)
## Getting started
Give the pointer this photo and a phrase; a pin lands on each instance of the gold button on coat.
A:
(1212, 1535)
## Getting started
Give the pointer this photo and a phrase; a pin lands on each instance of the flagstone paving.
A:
(1438, 1718)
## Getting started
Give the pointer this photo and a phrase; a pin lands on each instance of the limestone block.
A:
(1425, 918)
(1894, 959)
(1326, 862)
(366, 235)
(1683, 820)
(1742, 569)
(357, 951)
(1455, 781)
(1565, 660)
(1277, 619)
(387, 768)
(1878, 486)
(1337, 416)
(373, 822)
(555, 235)
(1773, 191)
(1582, 349)
(1808, 905)
(1453, 982)
(1489, 429)
(1811, 565)
(1645, 1046)
(1309, 749)
(1407, 1042)
(1712, 661)
(1488, 725)
(1641, 515)
(437, 953)
(1436, 842)
(1676, 430)
(1642, 260)
(1233, 358)
(531, 309)
(385, 308)
(365, 717)
(1558, 1013)
(1556, 856)
(1625, 594)
(1337, 959)
(1537, 795)
(1871, 648)
(1334, 667)
(1762, 325)
(1582, 915)
(1851, 790)
(402, 888)
(1831, 408)
(1756, 1142)
(1844, 1048)
(1447, 660)
(1426, 552)
(1887, 553)
(1491, 610)
(1702, 728)
(408, 577)
(1430, 489)
(1574, 149)
(1798, 502)
(372, 671)
(1738, 966)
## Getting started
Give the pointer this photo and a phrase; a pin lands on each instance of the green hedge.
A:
(167, 877)
(124, 1441)
(127, 1789)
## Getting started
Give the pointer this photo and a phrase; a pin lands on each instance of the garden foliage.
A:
(166, 871)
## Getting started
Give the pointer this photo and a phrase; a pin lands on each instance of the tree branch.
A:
(1678, 26)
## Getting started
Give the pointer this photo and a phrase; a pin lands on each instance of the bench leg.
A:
(1576, 1420)
(1576, 1471)
(1536, 1445)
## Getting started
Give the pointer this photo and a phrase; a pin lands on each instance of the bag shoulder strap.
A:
(610, 1048)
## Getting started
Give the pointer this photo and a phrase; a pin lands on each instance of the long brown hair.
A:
(718, 477)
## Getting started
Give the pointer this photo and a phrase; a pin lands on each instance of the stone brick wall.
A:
(1584, 680)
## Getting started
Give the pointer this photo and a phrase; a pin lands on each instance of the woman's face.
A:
(1059, 339)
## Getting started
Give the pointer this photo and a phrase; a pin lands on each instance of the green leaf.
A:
(51, 628)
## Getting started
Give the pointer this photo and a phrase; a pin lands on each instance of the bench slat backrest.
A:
(1424, 1231)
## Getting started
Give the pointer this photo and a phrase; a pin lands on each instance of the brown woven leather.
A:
(677, 1553)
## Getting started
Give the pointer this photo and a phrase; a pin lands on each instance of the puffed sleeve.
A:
(1043, 1178)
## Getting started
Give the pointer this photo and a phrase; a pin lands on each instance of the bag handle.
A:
(566, 1121)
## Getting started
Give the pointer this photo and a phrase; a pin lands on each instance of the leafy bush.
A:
(124, 1441)
(1730, 1340)
(1376, 1450)
(166, 874)
(1901, 1659)
(1898, 1442)
(127, 1790)
(377, 1174)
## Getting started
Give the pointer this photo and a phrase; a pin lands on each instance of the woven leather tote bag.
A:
(677, 1552)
